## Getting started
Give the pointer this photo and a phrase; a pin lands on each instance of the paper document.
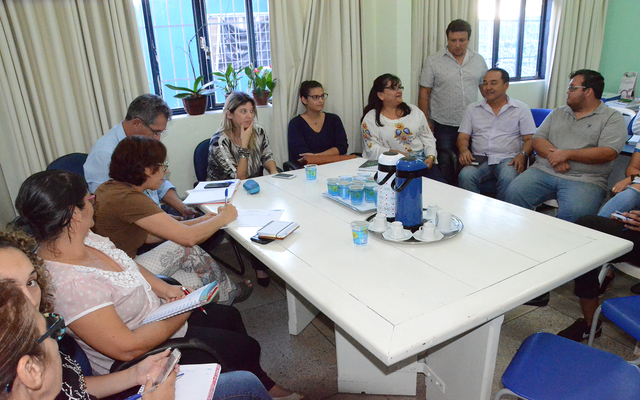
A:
(255, 218)
(198, 382)
(201, 195)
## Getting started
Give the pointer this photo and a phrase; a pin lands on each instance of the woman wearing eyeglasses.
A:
(104, 295)
(130, 219)
(315, 132)
(388, 123)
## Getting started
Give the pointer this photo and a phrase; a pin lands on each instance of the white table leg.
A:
(361, 372)
(463, 367)
(301, 312)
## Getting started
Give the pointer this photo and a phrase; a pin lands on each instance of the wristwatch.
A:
(526, 155)
(634, 176)
(431, 157)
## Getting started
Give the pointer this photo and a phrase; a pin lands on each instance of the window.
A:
(512, 35)
(211, 33)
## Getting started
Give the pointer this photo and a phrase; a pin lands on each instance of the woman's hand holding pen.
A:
(228, 213)
(172, 293)
(633, 223)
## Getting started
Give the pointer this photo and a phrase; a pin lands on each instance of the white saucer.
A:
(417, 236)
(372, 229)
(454, 227)
(387, 235)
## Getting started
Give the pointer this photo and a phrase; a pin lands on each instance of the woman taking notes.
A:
(239, 149)
(389, 123)
(104, 295)
(315, 132)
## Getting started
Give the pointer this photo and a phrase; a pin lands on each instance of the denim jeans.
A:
(475, 178)
(446, 137)
(240, 385)
(575, 199)
(625, 201)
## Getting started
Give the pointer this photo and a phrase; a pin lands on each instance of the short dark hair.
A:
(504, 74)
(132, 155)
(590, 79)
(147, 107)
(46, 202)
(379, 84)
(459, 25)
(306, 86)
(18, 333)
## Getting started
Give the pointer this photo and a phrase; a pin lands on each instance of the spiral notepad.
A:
(200, 297)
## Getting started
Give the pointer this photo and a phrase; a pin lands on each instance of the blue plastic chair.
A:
(550, 367)
(73, 162)
(201, 160)
(622, 311)
(539, 114)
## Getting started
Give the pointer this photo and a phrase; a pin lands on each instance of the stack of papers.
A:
(200, 195)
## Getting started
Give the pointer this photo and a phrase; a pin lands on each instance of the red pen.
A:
(184, 289)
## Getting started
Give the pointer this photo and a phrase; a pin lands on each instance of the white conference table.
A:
(393, 304)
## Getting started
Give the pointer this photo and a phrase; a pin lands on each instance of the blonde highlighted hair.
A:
(235, 100)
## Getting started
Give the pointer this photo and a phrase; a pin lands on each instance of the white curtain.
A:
(429, 21)
(575, 41)
(68, 69)
(316, 40)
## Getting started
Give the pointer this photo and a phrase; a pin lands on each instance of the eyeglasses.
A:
(574, 88)
(55, 327)
(165, 165)
(91, 199)
(155, 132)
(317, 97)
(396, 88)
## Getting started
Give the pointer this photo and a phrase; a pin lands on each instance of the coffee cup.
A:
(432, 210)
(397, 230)
(444, 220)
(380, 222)
(428, 231)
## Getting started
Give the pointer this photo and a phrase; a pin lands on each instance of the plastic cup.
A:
(332, 186)
(312, 171)
(346, 178)
(369, 193)
(360, 232)
(343, 189)
(356, 192)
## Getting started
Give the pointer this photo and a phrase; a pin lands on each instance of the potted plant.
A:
(194, 99)
(228, 80)
(262, 82)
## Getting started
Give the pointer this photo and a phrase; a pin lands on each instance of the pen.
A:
(226, 196)
(184, 289)
(139, 395)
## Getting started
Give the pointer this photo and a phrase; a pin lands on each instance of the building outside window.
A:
(512, 35)
(228, 31)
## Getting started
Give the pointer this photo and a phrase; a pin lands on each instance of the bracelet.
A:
(244, 153)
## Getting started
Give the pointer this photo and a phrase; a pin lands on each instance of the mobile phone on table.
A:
(618, 215)
(173, 359)
(217, 185)
(282, 175)
(257, 239)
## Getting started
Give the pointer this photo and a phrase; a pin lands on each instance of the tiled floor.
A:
(307, 363)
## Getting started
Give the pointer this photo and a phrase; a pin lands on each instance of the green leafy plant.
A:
(199, 89)
(228, 80)
(260, 79)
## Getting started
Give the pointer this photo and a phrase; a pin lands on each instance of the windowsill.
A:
(210, 112)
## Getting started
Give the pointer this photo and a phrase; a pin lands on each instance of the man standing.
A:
(147, 115)
(447, 86)
(576, 145)
(499, 130)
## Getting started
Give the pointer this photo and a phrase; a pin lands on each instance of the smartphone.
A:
(217, 185)
(174, 357)
(282, 175)
(257, 239)
(618, 215)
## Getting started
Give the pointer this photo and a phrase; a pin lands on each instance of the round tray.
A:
(447, 235)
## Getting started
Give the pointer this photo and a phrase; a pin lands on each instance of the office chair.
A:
(71, 162)
(539, 115)
(551, 367)
(622, 311)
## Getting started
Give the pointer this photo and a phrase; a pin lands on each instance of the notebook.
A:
(198, 382)
(369, 166)
(200, 297)
(277, 230)
(200, 195)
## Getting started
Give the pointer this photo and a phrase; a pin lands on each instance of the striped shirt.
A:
(453, 86)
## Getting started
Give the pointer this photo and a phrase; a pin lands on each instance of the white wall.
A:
(529, 92)
(184, 132)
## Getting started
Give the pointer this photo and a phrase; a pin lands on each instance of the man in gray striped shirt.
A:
(448, 84)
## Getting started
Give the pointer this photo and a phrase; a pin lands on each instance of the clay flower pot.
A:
(262, 99)
(195, 105)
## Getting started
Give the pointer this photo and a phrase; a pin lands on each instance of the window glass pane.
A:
(261, 28)
(137, 4)
(509, 30)
(486, 13)
(533, 16)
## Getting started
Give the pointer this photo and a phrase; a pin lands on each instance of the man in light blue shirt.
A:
(494, 140)
(147, 116)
